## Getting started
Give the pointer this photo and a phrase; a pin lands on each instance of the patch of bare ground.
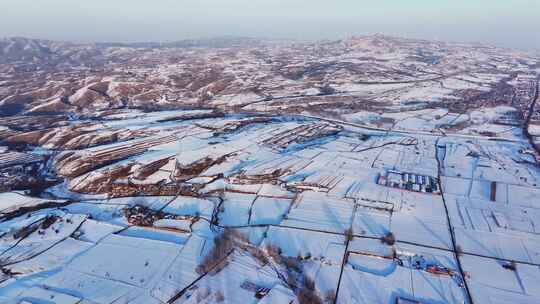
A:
(224, 244)
(295, 277)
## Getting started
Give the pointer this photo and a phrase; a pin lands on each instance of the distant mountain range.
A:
(54, 52)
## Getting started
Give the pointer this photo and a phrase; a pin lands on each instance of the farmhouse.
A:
(409, 181)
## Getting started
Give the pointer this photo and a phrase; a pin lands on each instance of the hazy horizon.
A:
(501, 23)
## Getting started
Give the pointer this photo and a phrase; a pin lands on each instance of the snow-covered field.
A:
(303, 208)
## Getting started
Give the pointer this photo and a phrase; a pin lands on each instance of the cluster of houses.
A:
(20, 163)
(410, 181)
(19, 170)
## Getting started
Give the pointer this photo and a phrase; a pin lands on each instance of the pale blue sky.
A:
(511, 23)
